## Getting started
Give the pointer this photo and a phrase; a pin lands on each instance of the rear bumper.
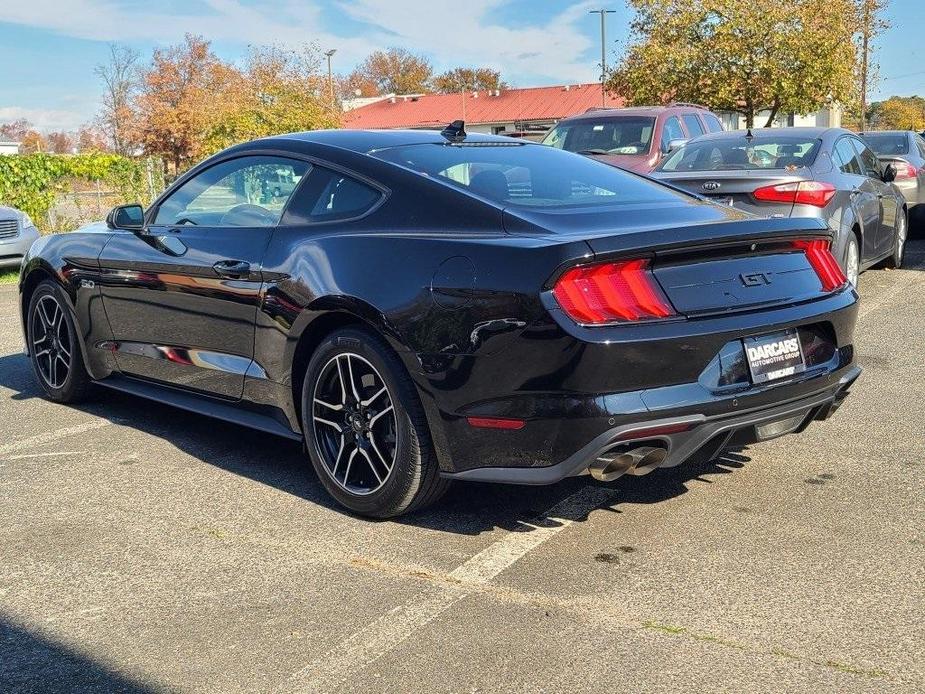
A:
(704, 436)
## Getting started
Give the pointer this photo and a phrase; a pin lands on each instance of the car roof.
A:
(888, 132)
(364, 141)
(598, 113)
(767, 133)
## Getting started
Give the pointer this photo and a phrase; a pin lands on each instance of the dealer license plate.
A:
(774, 356)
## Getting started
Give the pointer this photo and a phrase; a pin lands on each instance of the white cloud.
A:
(450, 32)
(44, 119)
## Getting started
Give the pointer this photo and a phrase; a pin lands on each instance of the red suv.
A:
(632, 138)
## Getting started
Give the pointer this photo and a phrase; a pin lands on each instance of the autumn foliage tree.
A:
(179, 97)
(120, 78)
(464, 79)
(740, 55)
(392, 71)
(898, 113)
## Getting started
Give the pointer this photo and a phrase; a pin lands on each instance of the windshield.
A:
(527, 174)
(609, 135)
(715, 154)
(887, 143)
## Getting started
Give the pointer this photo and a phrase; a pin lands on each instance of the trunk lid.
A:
(735, 187)
(706, 258)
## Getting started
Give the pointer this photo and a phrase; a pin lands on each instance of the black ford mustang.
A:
(421, 307)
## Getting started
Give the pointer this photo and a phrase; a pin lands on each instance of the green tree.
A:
(739, 55)
(278, 91)
(467, 79)
(897, 113)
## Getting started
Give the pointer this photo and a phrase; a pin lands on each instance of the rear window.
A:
(738, 153)
(713, 124)
(609, 135)
(527, 175)
(887, 143)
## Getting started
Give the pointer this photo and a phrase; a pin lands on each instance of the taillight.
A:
(620, 291)
(815, 193)
(820, 257)
(904, 169)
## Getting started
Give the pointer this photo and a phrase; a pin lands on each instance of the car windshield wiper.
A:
(592, 151)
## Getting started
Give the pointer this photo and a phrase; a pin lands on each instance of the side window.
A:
(247, 191)
(328, 196)
(870, 165)
(713, 123)
(920, 143)
(671, 131)
(846, 157)
(694, 128)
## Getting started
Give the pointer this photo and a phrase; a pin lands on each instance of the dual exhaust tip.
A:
(636, 461)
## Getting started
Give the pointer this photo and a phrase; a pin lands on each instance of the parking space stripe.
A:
(367, 645)
(49, 436)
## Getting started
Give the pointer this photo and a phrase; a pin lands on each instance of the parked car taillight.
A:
(904, 170)
(621, 291)
(819, 254)
(815, 193)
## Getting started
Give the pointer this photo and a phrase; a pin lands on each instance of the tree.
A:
(278, 91)
(32, 142)
(872, 23)
(60, 142)
(394, 71)
(897, 113)
(467, 79)
(16, 130)
(91, 139)
(120, 78)
(739, 55)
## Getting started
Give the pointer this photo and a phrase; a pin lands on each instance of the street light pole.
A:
(603, 13)
(330, 75)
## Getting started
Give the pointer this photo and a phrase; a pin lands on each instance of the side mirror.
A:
(126, 217)
(677, 143)
(889, 173)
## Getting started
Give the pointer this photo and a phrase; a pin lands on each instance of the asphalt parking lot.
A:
(146, 549)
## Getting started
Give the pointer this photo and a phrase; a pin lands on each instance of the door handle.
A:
(234, 269)
(854, 192)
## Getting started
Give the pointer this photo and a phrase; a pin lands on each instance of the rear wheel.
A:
(54, 349)
(899, 243)
(365, 429)
(852, 260)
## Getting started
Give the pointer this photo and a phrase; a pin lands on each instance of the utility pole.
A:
(603, 13)
(330, 75)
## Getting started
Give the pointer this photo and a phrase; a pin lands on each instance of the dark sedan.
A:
(424, 307)
(826, 173)
(905, 150)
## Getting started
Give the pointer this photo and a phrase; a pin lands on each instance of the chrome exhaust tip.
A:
(637, 461)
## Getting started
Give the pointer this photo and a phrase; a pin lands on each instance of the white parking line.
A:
(49, 436)
(367, 645)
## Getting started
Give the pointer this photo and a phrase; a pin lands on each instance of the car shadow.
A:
(468, 508)
(30, 662)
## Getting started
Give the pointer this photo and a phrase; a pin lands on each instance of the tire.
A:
(852, 260)
(895, 261)
(351, 434)
(54, 349)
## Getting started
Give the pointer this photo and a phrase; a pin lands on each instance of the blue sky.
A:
(48, 48)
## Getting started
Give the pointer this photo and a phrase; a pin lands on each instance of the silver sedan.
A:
(17, 232)
(827, 173)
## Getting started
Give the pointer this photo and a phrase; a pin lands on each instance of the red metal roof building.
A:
(498, 111)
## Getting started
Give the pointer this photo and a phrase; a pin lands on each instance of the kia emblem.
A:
(711, 185)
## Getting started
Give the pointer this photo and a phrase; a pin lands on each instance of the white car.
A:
(17, 232)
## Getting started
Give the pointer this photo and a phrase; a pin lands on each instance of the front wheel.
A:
(53, 346)
(365, 429)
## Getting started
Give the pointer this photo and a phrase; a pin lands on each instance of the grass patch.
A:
(9, 276)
